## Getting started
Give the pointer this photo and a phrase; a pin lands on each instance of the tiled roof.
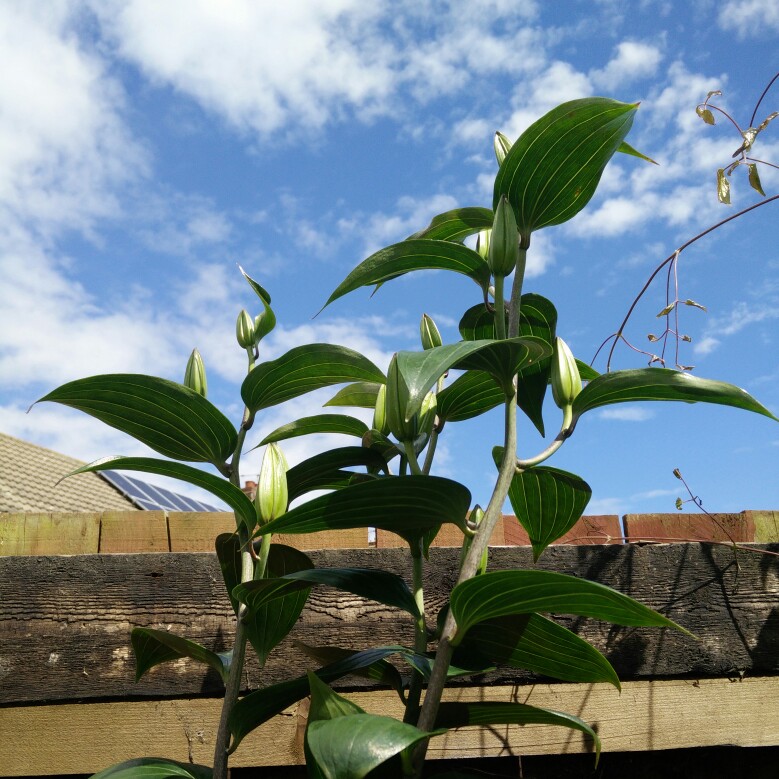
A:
(29, 473)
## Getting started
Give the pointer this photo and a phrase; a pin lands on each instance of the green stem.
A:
(500, 308)
(430, 453)
(516, 291)
(420, 634)
(562, 436)
(411, 457)
(233, 685)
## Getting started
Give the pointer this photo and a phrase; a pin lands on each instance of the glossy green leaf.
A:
(554, 167)
(360, 394)
(457, 224)
(170, 418)
(154, 768)
(379, 671)
(260, 291)
(153, 647)
(326, 704)
(463, 663)
(322, 423)
(482, 713)
(414, 254)
(420, 370)
(470, 395)
(547, 502)
(540, 645)
(325, 469)
(661, 384)
(408, 506)
(626, 148)
(538, 318)
(272, 614)
(351, 747)
(372, 583)
(499, 593)
(228, 552)
(259, 706)
(222, 488)
(587, 372)
(304, 369)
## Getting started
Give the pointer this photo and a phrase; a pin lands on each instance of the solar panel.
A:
(150, 497)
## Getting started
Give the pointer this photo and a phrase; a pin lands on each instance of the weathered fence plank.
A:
(65, 621)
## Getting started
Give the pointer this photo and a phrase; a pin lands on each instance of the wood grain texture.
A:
(65, 621)
(49, 533)
(648, 715)
(122, 532)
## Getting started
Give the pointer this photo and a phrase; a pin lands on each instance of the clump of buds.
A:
(501, 145)
(566, 381)
(272, 495)
(244, 330)
(504, 240)
(195, 374)
(429, 333)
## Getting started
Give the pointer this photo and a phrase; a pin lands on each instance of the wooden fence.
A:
(69, 702)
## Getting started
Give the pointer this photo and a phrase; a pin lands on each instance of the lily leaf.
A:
(372, 583)
(547, 502)
(408, 506)
(322, 423)
(228, 552)
(553, 168)
(351, 747)
(154, 768)
(304, 369)
(271, 614)
(539, 645)
(457, 224)
(327, 704)
(323, 470)
(464, 714)
(223, 490)
(626, 148)
(170, 418)
(153, 647)
(360, 394)
(661, 384)
(380, 671)
(499, 593)
(414, 254)
(470, 395)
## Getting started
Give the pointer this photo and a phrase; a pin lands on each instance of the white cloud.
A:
(750, 18)
(706, 345)
(633, 60)
(627, 414)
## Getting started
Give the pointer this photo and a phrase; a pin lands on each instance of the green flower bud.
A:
(566, 381)
(272, 496)
(380, 411)
(501, 145)
(427, 414)
(429, 333)
(396, 399)
(504, 241)
(483, 243)
(195, 374)
(244, 330)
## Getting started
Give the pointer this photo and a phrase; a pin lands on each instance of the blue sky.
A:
(148, 148)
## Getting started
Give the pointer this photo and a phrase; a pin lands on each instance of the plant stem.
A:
(565, 432)
(516, 291)
(411, 456)
(420, 634)
(500, 308)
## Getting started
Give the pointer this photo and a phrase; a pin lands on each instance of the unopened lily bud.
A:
(504, 241)
(501, 145)
(396, 400)
(566, 381)
(244, 330)
(272, 496)
(380, 411)
(429, 333)
(427, 414)
(483, 243)
(195, 374)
